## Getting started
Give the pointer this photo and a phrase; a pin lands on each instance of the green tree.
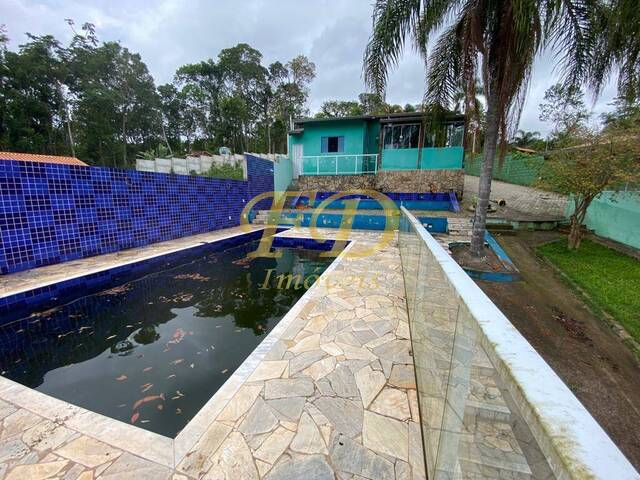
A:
(33, 108)
(497, 40)
(564, 107)
(600, 162)
(116, 103)
(340, 108)
(625, 116)
(524, 138)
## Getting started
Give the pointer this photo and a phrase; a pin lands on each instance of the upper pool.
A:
(153, 350)
(411, 201)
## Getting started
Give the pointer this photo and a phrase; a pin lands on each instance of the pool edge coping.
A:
(166, 451)
(92, 271)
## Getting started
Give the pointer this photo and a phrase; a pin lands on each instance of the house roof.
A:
(30, 157)
(383, 118)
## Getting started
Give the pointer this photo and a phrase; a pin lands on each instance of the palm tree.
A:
(496, 40)
(524, 138)
(616, 40)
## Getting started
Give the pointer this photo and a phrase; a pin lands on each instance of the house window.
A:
(401, 136)
(332, 144)
(447, 135)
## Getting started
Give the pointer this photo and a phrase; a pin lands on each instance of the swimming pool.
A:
(154, 347)
(411, 201)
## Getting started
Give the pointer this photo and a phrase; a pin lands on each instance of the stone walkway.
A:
(334, 397)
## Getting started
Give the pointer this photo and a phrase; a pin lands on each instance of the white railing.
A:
(462, 344)
(340, 164)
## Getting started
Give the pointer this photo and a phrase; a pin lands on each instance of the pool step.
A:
(460, 227)
(261, 217)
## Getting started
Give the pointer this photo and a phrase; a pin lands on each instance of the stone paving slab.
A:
(330, 396)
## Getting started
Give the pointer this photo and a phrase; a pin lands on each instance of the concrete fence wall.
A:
(198, 165)
(614, 216)
(518, 169)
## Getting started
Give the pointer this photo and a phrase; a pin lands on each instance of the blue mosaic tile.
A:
(55, 213)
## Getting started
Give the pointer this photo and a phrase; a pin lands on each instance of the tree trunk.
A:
(577, 219)
(124, 140)
(73, 148)
(575, 235)
(486, 173)
(268, 138)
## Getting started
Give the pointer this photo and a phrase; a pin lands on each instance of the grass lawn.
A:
(610, 278)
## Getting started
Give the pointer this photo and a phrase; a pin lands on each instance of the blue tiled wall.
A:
(56, 213)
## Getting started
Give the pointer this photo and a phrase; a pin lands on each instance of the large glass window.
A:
(332, 144)
(447, 135)
(455, 132)
(401, 136)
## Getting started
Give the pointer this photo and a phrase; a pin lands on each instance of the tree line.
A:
(97, 100)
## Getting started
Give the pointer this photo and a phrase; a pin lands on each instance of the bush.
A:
(226, 170)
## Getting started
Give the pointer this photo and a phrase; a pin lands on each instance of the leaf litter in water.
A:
(192, 276)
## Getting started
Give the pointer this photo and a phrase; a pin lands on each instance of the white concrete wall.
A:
(573, 443)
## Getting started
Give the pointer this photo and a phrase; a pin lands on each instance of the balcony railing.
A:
(340, 164)
(490, 406)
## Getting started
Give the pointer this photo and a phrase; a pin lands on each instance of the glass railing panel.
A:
(471, 428)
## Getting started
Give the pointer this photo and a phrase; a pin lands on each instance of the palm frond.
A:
(445, 68)
(392, 21)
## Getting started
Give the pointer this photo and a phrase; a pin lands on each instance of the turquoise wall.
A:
(357, 137)
(363, 137)
(615, 216)
(282, 173)
(372, 140)
(441, 158)
(432, 158)
(354, 132)
(400, 159)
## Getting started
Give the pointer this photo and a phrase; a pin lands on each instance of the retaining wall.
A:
(421, 181)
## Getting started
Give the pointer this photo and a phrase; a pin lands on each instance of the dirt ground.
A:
(583, 351)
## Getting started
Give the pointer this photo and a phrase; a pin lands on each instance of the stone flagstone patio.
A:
(334, 397)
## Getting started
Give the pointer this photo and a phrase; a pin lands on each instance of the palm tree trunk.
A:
(486, 173)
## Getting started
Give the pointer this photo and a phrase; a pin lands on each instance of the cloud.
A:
(171, 33)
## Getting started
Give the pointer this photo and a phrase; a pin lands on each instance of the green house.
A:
(370, 143)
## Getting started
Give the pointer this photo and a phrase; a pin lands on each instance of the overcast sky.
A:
(170, 33)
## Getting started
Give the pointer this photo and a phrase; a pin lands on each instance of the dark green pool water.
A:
(153, 351)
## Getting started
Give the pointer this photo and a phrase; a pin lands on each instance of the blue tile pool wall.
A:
(56, 213)
(334, 220)
(419, 201)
